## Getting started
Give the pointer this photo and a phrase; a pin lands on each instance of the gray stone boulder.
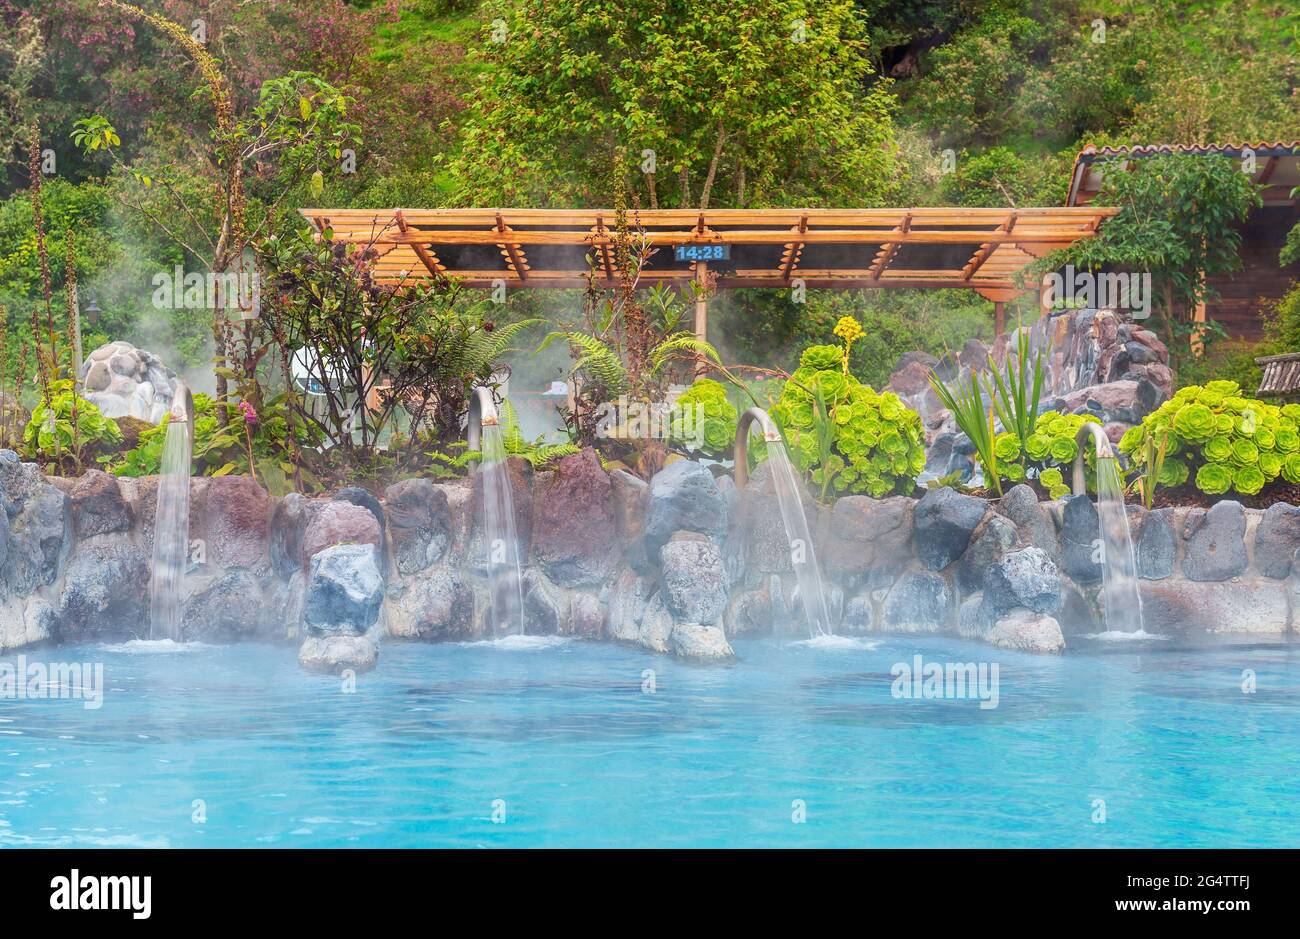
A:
(1080, 537)
(40, 540)
(419, 524)
(229, 608)
(125, 381)
(1156, 546)
(575, 536)
(973, 617)
(626, 600)
(586, 618)
(1216, 543)
(438, 606)
(656, 625)
(919, 602)
(684, 497)
(18, 482)
(944, 521)
(286, 532)
(546, 606)
(1248, 607)
(870, 540)
(338, 523)
(694, 580)
(336, 654)
(344, 589)
(1024, 630)
(749, 613)
(700, 643)
(1020, 504)
(1277, 539)
(631, 499)
(995, 537)
(105, 589)
(27, 622)
(97, 505)
(859, 615)
(1025, 578)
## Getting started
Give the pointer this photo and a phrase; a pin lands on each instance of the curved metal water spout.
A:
(771, 434)
(182, 412)
(482, 413)
(1102, 448)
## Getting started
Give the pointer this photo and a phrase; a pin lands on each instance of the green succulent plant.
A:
(1221, 439)
(845, 435)
(719, 415)
(1051, 449)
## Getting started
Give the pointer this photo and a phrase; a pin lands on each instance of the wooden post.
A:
(1045, 297)
(999, 318)
(701, 307)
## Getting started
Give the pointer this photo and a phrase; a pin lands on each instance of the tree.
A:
(743, 103)
(295, 127)
(1178, 221)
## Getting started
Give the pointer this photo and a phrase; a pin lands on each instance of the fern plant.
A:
(538, 453)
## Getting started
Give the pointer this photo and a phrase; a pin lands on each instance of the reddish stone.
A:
(575, 537)
(337, 522)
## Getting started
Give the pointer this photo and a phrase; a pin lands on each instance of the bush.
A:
(1222, 440)
(1049, 451)
(719, 429)
(53, 433)
(844, 434)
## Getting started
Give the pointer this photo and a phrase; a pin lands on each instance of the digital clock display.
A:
(713, 252)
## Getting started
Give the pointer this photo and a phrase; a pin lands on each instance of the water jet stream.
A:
(803, 555)
(171, 527)
(501, 540)
(1121, 600)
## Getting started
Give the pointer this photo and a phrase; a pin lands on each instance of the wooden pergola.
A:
(966, 248)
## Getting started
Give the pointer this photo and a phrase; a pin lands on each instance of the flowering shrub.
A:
(848, 437)
(1221, 439)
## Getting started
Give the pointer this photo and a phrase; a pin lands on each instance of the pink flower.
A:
(250, 415)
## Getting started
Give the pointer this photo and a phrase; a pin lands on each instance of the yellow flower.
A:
(848, 329)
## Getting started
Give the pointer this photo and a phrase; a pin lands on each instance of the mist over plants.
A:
(183, 136)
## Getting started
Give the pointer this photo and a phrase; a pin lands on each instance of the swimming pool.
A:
(582, 744)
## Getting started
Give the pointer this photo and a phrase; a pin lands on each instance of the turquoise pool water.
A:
(564, 746)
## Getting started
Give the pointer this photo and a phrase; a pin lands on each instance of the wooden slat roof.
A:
(1281, 374)
(1277, 165)
(975, 248)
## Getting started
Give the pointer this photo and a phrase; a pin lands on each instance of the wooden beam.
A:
(427, 257)
(512, 252)
(491, 236)
(606, 255)
(889, 249)
(986, 250)
(793, 249)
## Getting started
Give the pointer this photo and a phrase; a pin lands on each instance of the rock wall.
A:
(679, 565)
(1095, 362)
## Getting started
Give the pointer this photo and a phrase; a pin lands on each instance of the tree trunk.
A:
(713, 168)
